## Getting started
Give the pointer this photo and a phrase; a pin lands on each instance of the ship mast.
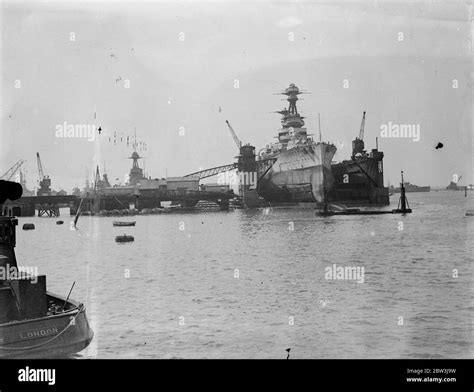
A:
(292, 93)
(319, 122)
(292, 122)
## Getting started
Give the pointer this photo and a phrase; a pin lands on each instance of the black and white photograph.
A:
(271, 180)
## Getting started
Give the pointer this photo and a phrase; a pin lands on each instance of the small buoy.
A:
(59, 222)
(28, 226)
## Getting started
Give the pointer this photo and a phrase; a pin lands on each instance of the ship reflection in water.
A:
(252, 283)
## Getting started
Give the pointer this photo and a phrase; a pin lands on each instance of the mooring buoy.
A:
(124, 238)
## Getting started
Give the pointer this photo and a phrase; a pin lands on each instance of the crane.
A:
(237, 141)
(40, 167)
(44, 181)
(11, 172)
(358, 142)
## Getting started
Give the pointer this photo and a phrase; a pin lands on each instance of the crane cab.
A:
(358, 147)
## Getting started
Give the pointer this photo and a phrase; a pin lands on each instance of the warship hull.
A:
(299, 175)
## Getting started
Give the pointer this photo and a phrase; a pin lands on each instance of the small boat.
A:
(35, 323)
(122, 223)
(59, 222)
(29, 226)
(124, 238)
(53, 335)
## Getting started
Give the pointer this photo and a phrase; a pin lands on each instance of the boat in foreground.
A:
(33, 322)
(62, 332)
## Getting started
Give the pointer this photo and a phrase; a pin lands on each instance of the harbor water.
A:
(253, 283)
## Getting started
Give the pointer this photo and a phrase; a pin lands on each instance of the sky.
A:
(175, 71)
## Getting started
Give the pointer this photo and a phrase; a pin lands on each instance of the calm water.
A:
(175, 293)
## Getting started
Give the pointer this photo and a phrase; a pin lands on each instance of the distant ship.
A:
(296, 169)
(453, 186)
(411, 188)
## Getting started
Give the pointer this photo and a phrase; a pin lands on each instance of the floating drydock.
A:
(359, 180)
(403, 208)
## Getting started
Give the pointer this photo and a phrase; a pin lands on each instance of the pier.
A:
(45, 205)
(48, 206)
(150, 199)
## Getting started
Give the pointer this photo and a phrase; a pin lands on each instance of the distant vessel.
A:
(410, 188)
(453, 186)
(124, 238)
(295, 169)
(122, 223)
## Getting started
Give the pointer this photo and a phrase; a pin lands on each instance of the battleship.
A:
(296, 169)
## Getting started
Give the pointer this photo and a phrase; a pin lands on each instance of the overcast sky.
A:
(182, 61)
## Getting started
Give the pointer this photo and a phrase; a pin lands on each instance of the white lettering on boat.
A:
(39, 333)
